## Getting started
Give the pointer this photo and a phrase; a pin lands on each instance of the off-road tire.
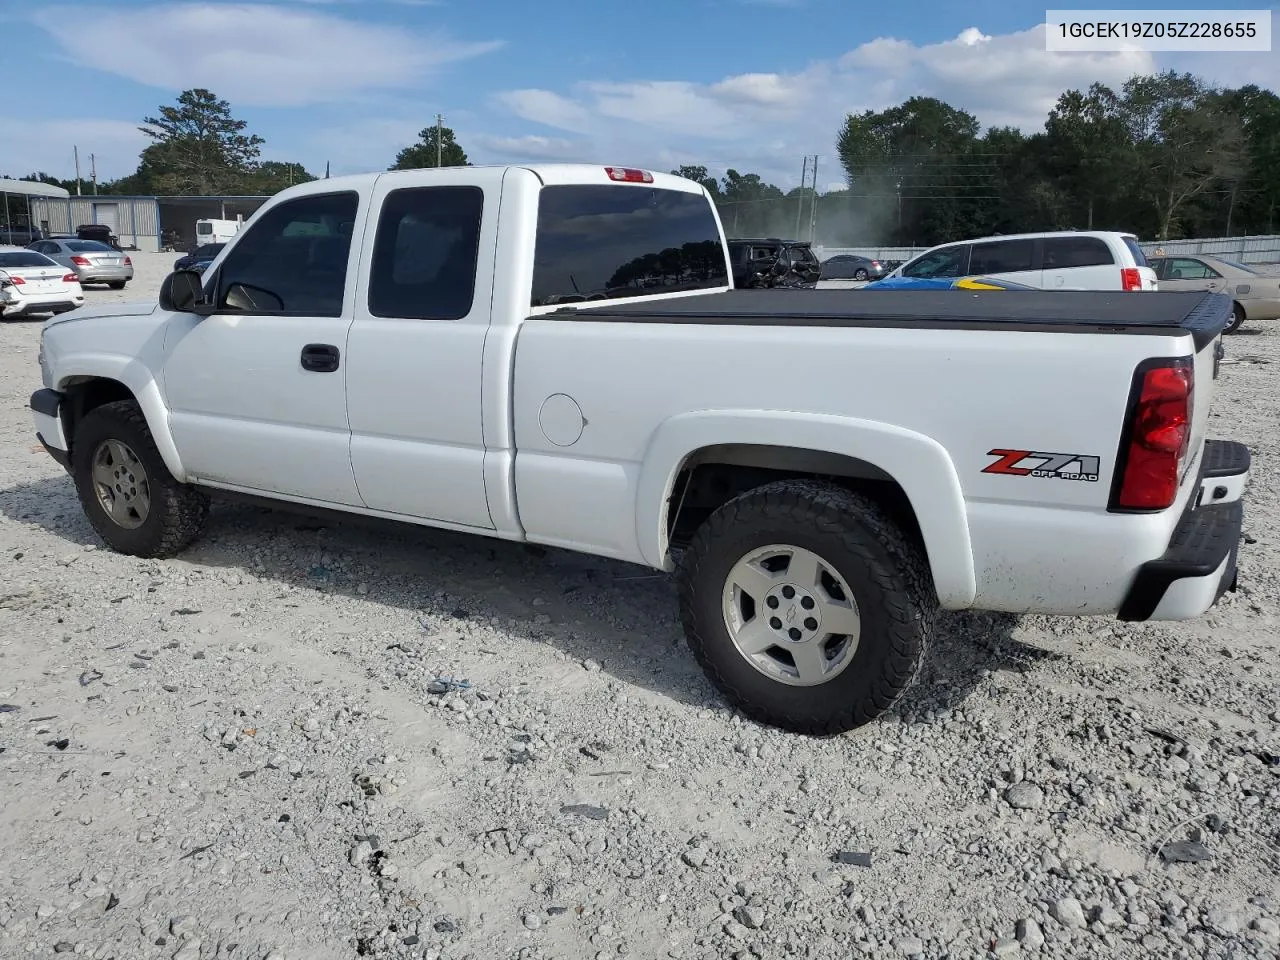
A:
(177, 510)
(884, 568)
(1237, 319)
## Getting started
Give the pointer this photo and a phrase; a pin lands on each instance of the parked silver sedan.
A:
(91, 260)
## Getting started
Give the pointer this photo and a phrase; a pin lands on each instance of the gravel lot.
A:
(248, 752)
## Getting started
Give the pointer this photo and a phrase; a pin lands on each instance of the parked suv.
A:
(754, 260)
(1069, 260)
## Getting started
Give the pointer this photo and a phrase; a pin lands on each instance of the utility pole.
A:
(813, 207)
(800, 199)
(93, 172)
(77, 153)
(439, 144)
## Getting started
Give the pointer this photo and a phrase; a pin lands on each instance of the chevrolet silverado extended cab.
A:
(556, 354)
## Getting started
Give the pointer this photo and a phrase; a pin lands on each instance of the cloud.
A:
(48, 145)
(250, 53)
(527, 149)
(765, 121)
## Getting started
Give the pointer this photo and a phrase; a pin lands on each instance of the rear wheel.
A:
(806, 606)
(130, 497)
(1237, 318)
(860, 274)
(116, 284)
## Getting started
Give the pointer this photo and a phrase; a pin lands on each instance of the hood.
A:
(139, 308)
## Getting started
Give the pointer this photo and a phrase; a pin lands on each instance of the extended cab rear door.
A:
(416, 348)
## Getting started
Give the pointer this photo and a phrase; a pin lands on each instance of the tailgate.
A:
(40, 280)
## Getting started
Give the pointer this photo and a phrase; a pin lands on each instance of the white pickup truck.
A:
(555, 354)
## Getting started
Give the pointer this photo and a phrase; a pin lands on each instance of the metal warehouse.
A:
(146, 223)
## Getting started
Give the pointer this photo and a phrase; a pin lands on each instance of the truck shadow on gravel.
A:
(621, 616)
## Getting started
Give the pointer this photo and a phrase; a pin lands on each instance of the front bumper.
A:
(1199, 565)
(46, 411)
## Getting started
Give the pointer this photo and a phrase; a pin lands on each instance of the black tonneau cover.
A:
(1203, 315)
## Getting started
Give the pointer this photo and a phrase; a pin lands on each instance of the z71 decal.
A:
(1034, 463)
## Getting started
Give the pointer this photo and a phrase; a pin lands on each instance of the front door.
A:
(416, 349)
(257, 391)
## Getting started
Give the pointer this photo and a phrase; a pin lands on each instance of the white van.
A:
(217, 231)
(1066, 260)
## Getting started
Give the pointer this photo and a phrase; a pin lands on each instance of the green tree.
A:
(1090, 149)
(1256, 196)
(272, 176)
(700, 175)
(1185, 138)
(423, 153)
(749, 206)
(199, 148)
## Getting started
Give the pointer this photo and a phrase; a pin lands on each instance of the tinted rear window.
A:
(1061, 252)
(601, 242)
(1003, 256)
(209, 250)
(25, 259)
(1139, 258)
(426, 252)
(87, 246)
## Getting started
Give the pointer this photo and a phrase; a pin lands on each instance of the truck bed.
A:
(1203, 315)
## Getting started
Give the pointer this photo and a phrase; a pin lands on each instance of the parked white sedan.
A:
(31, 283)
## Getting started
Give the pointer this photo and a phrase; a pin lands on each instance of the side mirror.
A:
(181, 291)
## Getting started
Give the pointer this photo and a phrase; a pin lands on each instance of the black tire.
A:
(860, 274)
(177, 511)
(1237, 319)
(116, 284)
(884, 569)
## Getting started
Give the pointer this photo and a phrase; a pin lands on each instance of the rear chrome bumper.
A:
(1199, 565)
(46, 411)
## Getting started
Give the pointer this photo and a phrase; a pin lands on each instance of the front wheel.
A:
(806, 606)
(1237, 318)
(130, 497)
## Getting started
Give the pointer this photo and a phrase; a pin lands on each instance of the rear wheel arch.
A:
(908, 475)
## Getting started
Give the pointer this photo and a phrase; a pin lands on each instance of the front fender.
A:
(141, 383)
(919, 464)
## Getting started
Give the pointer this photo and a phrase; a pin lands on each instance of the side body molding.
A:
(919, 464)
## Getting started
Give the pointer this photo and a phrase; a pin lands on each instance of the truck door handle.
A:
(320, 357)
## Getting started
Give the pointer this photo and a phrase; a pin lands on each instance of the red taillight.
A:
(70, 278)
(16, 281)
(1159, 438)
(128, 262)
(876, 264)
(80, 261)
(629, 175)
(1130, 278)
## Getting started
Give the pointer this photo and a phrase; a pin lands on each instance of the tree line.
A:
(1166, 155)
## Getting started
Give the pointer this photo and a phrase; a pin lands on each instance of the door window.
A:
(425, 253)
(1183, 268)
(293, 261)
(947, 262)
(1003, 256)
(1061, 253)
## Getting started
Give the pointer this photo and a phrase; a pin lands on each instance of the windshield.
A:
(12, 261)
(1239, 266)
